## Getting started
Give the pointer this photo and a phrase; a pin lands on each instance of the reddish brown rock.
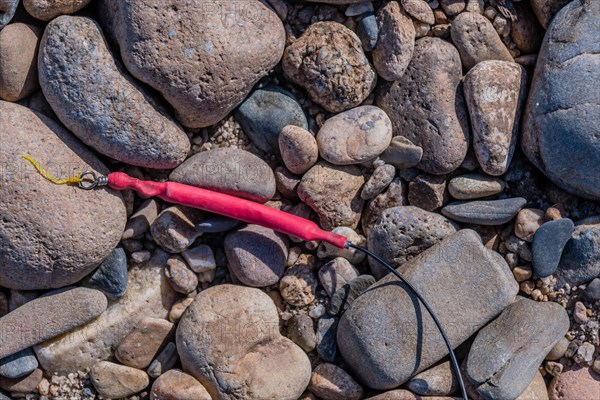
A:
(578, 383)
(139, 347)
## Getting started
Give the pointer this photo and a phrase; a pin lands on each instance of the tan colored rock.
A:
(527, 223)
(329, 63)
(116, 381)
(576, 383)
(536, 390)
(48, 9)
(148, 295)
(299, 149)
(298, 286)
(330, 382)
(139, 347)
(52, 235)
(19, 45)
(177, 385)
(229, 340)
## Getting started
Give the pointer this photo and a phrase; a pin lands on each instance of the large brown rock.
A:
(204, 57)
(52, 235)
(229, 340)
(427, 106)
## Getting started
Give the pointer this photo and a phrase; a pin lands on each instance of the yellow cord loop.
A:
(46, 174)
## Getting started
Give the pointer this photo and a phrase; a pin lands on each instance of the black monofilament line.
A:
(429, 310)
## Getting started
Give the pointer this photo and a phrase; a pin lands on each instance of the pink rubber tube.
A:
(229, 206)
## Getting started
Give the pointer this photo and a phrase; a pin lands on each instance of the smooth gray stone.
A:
(342, 299)
(18, 364)
(506, 354)
(548, 244)
(484, 212)
(592, 291)
(580, 261)
(368, 31)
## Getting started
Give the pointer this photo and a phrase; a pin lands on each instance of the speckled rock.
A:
(177, 385)
(402, 153)
(484, 212)
(256, 255)
(396, 42)
(548, 244)
(427, 192)
(545, 10)
(266, 112)
(419, 10)
(575, 383)
(299, 149)
(111, 276)
(333, 192)
(228, 170)
(200, 56)
(355, 136)
(99, 104)
(330, 382)
(148, 295)
(7, 11)
(19, 364)
(298, 286)
(48, 9)
(181, 278)
(60, 311)
(580, 260)
(46, 238)
(301, 330)
(495, 92)
(562, 114)
(444, 271)
(19, 45)
(477, 40)
(256, 363)
(506, 354)
(438, 380)
(403, 232)
(474, 186)
(452, 7)
(427, 108)
(379, 180)
(329, 63)
(116, 381)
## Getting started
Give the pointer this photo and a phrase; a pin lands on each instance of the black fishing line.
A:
(429, 310)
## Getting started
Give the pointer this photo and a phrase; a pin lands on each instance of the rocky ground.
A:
(457, 139)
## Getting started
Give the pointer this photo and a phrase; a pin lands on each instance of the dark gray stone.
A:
(216, 224)
(164, 361)
(368, 31)
(580, 261)
(343, 298)
(561, 123)
(506, 354)
(426, 105)
(402, 153)
(18, 364)
(7, 11)
(402, 233)
(548, 244)
(484, 212)
(592, 291)
(326, 338)
(386, 337)
(111, 276)
(265, 113)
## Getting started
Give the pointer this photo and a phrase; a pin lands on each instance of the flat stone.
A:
(7, 11)
(329, 63)
(228, 170)
(47, 10)
(102, 106)
(402, 153)
(404, 232)
(379, 180)
(474, 186)
(115, 381)
(139, 223)
(258, 363)
(562, 115)
(19, 364)
(428, 192)
(299, 149)
(580, 261)
(506, 354)
(495, 92)
(181, 278)
(343, 298)
(51, 315)
(477, 40)
(25, 384)
(326, 338)
(333, 192)
(256, 255)
(200, 258)
(330, 382)
(419, 10)
(301, 330)
(19, 44)
(548, 244)
(336, 273)
(355, 136)
(484, 212)
(191, 53)
(454, 268)
(177, 385)
(265, 113)
(46, 239)
(148, 295)
(435, 381)
(175, 228)
(426, 106)
(111, 276)
(139, 347)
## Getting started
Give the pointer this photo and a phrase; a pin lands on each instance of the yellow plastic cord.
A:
(46, 174)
